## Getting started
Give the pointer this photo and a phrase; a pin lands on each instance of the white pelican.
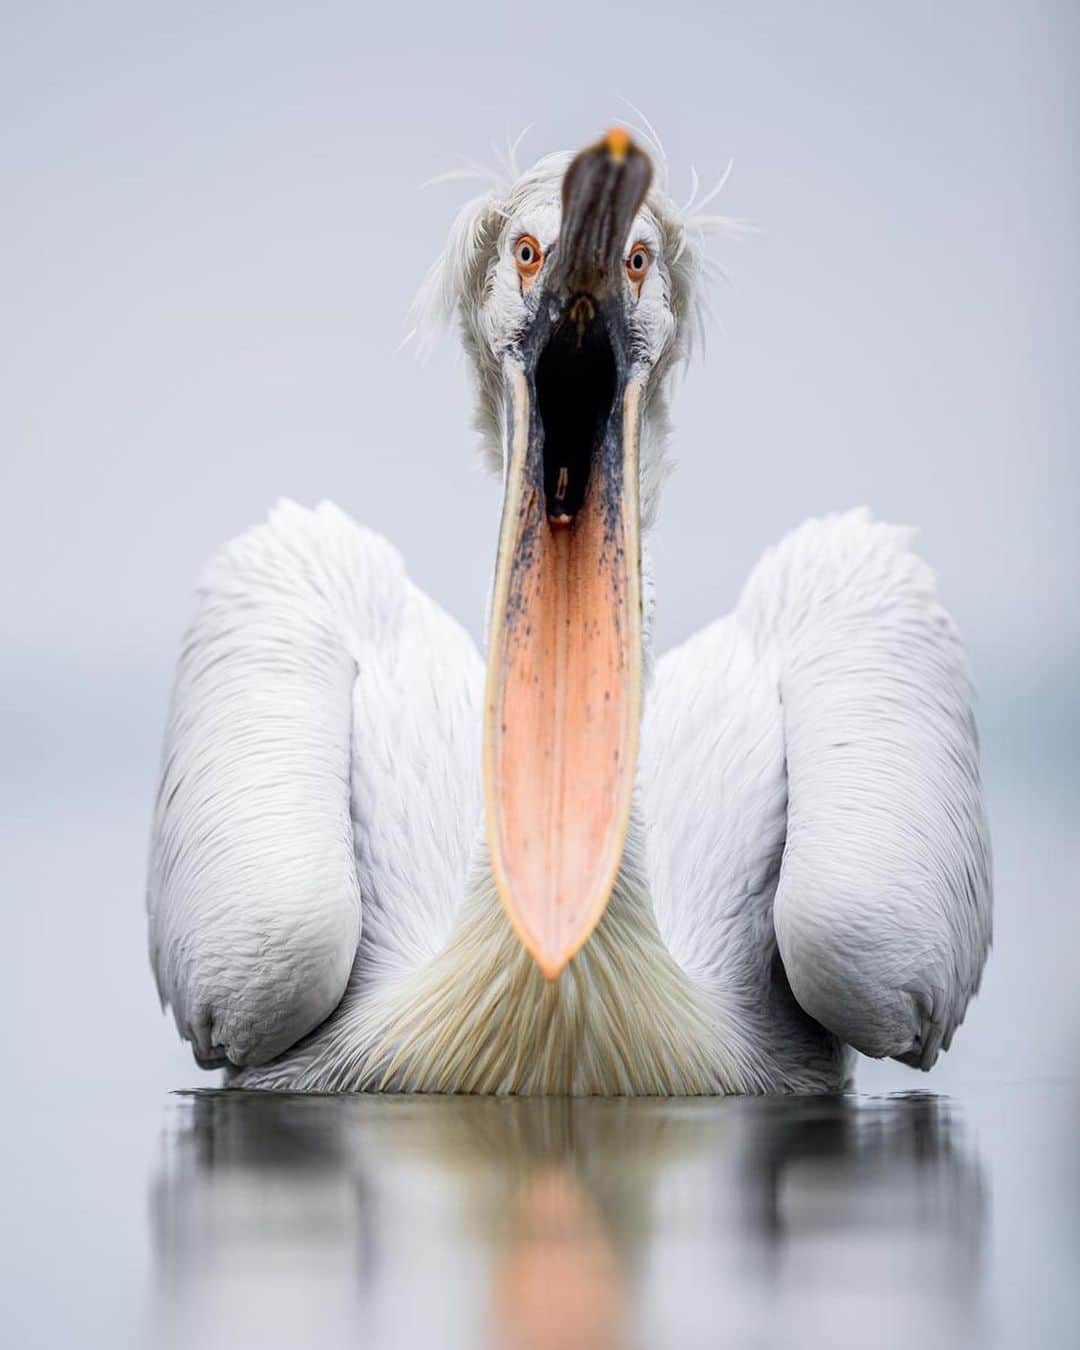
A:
(368, 873)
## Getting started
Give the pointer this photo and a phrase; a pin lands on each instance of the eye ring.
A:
(638, 262)
(528, 257)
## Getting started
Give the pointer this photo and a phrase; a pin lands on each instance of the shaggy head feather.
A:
(474, 280)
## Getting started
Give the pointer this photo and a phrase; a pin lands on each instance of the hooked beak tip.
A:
(602, 190)
(617, 142)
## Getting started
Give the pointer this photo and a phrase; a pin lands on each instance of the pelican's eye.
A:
(528, 257)
(638, 262)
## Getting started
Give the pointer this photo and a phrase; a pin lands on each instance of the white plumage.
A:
(807, 863)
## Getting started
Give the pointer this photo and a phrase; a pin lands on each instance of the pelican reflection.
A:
(557, 1222)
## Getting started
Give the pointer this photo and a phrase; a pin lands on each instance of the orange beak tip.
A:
(617, 143)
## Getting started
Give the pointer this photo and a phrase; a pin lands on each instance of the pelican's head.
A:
(572, 287)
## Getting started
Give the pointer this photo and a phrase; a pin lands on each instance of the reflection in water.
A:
(566, 1223)
(556, 1280)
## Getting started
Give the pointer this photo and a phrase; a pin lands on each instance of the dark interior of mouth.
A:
(575, 391)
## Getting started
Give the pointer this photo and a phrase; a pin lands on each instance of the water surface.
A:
(854, 1220)
(222, 1219)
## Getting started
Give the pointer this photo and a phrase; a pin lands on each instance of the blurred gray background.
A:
(213, 225)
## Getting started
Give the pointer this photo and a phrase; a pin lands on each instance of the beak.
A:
(564, 662)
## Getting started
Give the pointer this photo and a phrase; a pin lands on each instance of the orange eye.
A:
(528, 256)
(637, 264)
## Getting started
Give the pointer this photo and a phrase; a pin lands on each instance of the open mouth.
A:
(563, 698)
(576, 380)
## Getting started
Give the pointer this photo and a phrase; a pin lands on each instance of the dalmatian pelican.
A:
(587, 872)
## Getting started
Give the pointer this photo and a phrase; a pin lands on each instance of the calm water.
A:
(238, 1219)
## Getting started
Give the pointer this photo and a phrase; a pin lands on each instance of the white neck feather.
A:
(623, 1018)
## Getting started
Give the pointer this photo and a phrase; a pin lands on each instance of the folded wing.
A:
(278, 788)
(883, 909)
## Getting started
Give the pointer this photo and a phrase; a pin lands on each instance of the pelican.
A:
(587, 871)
